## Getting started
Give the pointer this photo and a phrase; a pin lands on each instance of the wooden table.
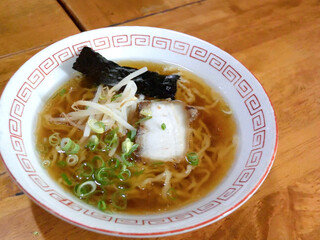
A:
(278, 40)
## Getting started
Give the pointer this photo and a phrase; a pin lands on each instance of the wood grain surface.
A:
(32, 23)
(277, 40)
(96, 13)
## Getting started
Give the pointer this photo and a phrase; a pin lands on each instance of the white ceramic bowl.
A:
(39, 77)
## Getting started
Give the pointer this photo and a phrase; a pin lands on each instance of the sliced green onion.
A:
(138, 173)
(42, 148)
(66, 179)
(112, 132)
(163, 126)
(58, 148)
(72, 160)
(69, 146)
(112, 139)
(102, 147)
(46, 163)
(104, 176)
(96, 126)
(132, 134)
(54, 139)
(126, 155)
(124, 175)
(119, 200)
(66, 144)
(62, 92)
(85, 170)
(114, 163)
(102, 205)
(132, 149)
(93, 143)
(85, 189)
(126, 145)
(98, 162)
(143, 120)
(124, 159)
(193, 159)
(115, 97)
(172, 194)
(62, 164)
(146, 112)
(74, 150)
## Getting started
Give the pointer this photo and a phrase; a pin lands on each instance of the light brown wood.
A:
(30, 24)
(278, 40)
(99, 13)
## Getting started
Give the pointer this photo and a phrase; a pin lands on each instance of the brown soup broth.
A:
(213, 134)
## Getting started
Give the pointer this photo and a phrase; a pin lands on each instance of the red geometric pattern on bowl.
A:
(216, 62)
(243, 88)
(101, 43)
(199, 53)
(25, 163)
(254, 158)
(180, 47)
(229, 73)
(162, 43)
(140, 40)
(24, 92)
(48, 65)
(63, 55)
(121, 41)
(17, 108)
(35, 78)
(15, 127)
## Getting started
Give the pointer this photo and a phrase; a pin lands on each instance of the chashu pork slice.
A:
(164, 137)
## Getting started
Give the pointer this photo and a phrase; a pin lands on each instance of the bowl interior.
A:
(39, 78)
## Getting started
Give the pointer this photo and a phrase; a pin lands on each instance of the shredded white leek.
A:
(127, 79)
(72, 160)
(113, 113)
(86, 132)
(105, 108)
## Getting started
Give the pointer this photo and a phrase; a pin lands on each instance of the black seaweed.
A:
(103, 71)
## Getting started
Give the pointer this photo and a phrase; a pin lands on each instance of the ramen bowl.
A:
(32, 85)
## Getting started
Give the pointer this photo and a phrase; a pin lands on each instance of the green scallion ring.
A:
(85, 189)
(85, 170)
(46, 163)
(66, 144)
(132, 134)
(102, 205)
(104, 176)
(97, 159)
(124, 175)
(54, 139)
(193, 159)
(119, 200)
(74, 149)
(114, 163)
(66, 179)
(72, 160)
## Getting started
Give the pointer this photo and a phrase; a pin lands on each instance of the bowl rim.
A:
(167, 232)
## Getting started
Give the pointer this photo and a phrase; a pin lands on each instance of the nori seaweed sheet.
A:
(102, 71)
